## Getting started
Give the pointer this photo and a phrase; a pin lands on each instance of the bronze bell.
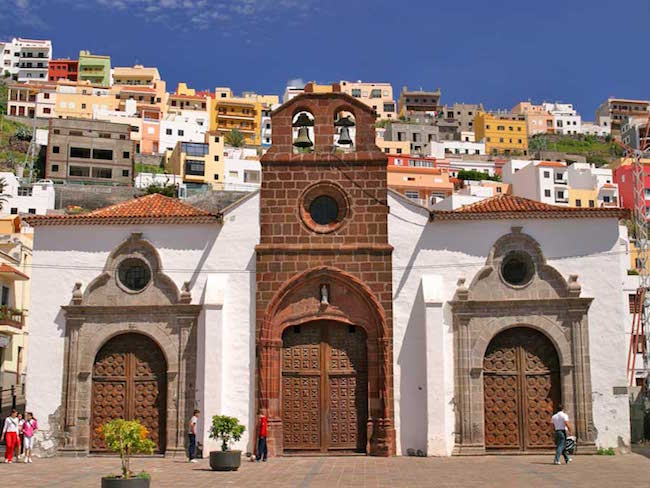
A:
(303, 120)
(344, 137)
(344, 122)
(303, 139)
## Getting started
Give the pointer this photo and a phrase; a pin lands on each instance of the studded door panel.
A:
(521, 387)
(129, 382)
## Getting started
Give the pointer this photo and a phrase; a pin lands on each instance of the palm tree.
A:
(4, 198)
(235, 138)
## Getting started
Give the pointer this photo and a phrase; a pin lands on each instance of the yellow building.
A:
(198, 163)
(81, 99)
(502, 134)
(15, 267)
(580, 197)
(242, 113)
(141, 84)
(378, 96)
(393, 147)
(185, 98)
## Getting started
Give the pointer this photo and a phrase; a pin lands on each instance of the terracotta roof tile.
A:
(154, 208)
(551, 164)
(5, 268)
(514, 207)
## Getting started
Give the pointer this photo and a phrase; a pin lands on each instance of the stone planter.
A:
(225, 460)
(121, 483)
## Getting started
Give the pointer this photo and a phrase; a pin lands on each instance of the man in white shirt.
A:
(192, 433)
(561, 424)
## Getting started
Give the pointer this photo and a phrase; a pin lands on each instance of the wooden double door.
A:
(521, 382)
(324, 388)
(129, 382)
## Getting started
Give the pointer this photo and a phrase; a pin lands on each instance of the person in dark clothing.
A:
(262, 450)
(192, 433)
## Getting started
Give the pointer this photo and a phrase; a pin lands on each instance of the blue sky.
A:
(494, 51)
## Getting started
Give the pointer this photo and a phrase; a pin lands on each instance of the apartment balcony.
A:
(561, 200)
(11, 319)
(236, 116)
(560, 181)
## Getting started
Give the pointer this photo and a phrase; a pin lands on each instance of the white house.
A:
(542, 181)
(188, 126)
(444, 149)
(456, 165)
(36, 199)
(143, 180)
(566, 119)
(26, 59)
(593, 129)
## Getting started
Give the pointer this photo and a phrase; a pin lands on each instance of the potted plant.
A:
(227, 429)
(127, 438)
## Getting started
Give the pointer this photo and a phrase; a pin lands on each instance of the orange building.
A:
(418, 180)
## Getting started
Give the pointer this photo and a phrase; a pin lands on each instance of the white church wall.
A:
(589, 248)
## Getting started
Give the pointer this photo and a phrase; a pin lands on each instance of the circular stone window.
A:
(134, 274)
(324, 207)
(324, 210)
(517, 268)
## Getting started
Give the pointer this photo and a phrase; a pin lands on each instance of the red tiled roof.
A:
(513, 207)
(5, 268)
(150, 209)
(609, 185)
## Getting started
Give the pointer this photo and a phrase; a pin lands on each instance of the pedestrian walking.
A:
(29, 427)
(261, 428)
(10, 435)
(19, 444)
(561, 424)
(193, 422)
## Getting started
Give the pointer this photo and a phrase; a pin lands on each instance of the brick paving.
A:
(500, 471)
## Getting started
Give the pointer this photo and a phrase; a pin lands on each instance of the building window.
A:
(80, 171)
(606, 199)
(578, 203)
(80, 152)
(216, 176)
(592, 204)
(194, 167)
(55, 149)
(126, 154)
(632, 303)
(168, 132)
(181, 132)
(547, 174)
(103, 173)
(216, 158)
(32, 211)
(55, 168)
(547, 193)
(104, 154)
(517, 268)
(134, 274)
(14, 210)
(499, 189)
(413, 195)
(125, 173)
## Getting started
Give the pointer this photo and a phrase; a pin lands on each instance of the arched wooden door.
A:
(324, 388)
(521, 381)
(129, 382)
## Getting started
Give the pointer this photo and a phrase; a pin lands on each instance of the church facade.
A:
(356, 320)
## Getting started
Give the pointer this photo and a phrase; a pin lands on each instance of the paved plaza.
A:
(329, 472)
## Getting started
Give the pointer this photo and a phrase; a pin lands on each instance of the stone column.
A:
(269, 377)
(583, 417)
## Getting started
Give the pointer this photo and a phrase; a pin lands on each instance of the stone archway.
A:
(129, 381)
(348, 303)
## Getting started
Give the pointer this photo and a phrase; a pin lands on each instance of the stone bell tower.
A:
(324, 331)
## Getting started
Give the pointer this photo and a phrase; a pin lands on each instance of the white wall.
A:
(193, 124)
(587, 247)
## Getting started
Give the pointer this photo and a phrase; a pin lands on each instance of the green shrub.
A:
(606, 452)
(227, 429)
(127, 438)
(23, 133)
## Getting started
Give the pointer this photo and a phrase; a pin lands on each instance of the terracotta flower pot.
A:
(225, 460)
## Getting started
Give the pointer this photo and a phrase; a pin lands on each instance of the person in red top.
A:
(261, 438)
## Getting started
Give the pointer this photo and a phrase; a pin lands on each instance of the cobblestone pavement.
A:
(502, 471)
